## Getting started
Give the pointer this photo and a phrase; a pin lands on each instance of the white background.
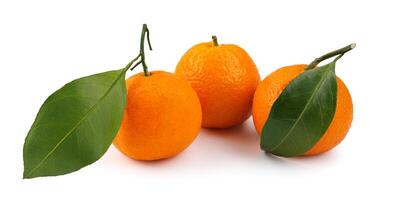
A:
(45, 44)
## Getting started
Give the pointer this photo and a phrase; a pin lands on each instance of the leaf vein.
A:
(318, 86)
(77, 124)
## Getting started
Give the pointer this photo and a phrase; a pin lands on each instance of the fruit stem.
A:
(331, 54)
(215, 41)
(145, 32)
(140, 59)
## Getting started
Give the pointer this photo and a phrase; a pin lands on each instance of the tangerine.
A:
(272, 86)
(162, 116)
(224, 77)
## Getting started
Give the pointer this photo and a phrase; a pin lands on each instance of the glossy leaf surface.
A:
(302, 113)
(75, 125)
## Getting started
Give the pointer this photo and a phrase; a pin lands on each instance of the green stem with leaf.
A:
(331, 54)
(141, 55)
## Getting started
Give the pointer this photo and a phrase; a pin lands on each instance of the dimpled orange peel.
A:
(162, 116)
(270, 89)
(224, 77)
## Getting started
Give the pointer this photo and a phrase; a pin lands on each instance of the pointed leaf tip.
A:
(75, 125)
(302, 113)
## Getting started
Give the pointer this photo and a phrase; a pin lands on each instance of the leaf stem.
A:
(215, 41)
(331, 54)
(130, 63)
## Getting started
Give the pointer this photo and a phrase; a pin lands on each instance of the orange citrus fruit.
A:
(162, 116)
(225, 78)
(272, 86)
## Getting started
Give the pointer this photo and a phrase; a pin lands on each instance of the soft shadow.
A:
(120, 157)
(323, 158)
(242, 139)
(320, 159)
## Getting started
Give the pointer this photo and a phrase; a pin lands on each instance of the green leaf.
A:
(75, 125)
(302, 113)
